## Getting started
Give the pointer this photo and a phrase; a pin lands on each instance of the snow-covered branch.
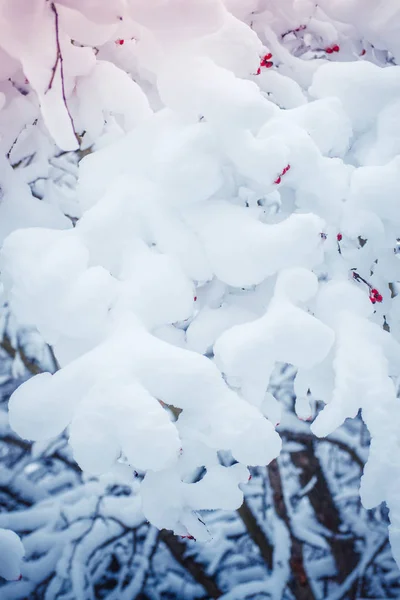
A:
(194, 194)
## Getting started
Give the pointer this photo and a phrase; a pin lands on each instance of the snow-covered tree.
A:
(196, 194)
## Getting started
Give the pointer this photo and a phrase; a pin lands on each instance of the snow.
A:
(11, 553)
(97, 100)
(233, 214)
(250, 251)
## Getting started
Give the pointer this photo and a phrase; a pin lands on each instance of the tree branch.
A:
(27, 446)
(300, 585)
(326, 511)
(178, 550)
(306, 438)
(365, 562)
(60, 62)
(256, 533)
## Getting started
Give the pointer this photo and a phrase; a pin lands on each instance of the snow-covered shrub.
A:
(236, 207)
(300, 532)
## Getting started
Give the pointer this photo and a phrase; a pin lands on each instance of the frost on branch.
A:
(235, 206)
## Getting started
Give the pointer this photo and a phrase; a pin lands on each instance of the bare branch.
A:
(29, 364)
(59, 62)
(27, 447)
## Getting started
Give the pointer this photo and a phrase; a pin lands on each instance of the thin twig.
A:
(27, 447)
(60, 62)
(30, 365)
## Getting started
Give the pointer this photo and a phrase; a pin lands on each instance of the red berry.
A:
(265, 62)
(249, 478)
(329, 50)
(375, 296)
(335, 48)
(265, 59)
(120, 42)
(195, 298)
(278, 180)
(363, 52)
(339, 237)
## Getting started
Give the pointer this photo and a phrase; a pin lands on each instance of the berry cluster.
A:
(332, 49)
(265, 62)
(279, 178)
(375, 296)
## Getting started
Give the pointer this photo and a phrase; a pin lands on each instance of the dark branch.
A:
(300, 585)
(306, 438)
(178, 551)
(29, 364)
(256, 533)
(326, 511)
(59, 62)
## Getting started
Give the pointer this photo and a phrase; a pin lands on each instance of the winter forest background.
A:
(200, 318)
